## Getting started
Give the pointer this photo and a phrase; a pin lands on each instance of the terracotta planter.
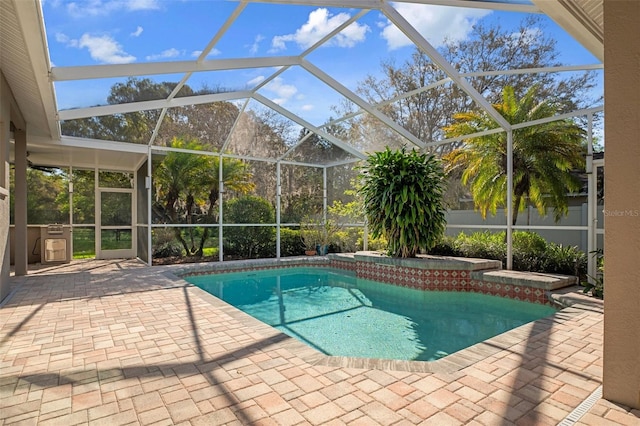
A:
(310, 252)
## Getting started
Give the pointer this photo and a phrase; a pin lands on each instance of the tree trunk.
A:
(178, 233)
(213, 201)
(189, 208)
(516, 209)
(170, 208)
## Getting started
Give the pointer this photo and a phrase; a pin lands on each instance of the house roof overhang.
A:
(583, 19)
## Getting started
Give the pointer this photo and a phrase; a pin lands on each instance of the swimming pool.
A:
(339, 314)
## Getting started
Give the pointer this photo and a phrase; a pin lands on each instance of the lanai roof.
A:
(38, 86)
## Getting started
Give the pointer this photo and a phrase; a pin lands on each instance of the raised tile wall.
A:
(441, 280)
(405, 276)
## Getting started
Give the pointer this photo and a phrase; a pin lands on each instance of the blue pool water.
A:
(339, 314)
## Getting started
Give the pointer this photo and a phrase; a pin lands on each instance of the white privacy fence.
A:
(571, 230)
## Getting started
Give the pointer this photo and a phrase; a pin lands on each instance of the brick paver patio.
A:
(120, 343)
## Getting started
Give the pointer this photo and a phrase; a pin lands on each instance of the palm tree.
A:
(544, 156)
(180, 179)
(236, 176)
(186, 182)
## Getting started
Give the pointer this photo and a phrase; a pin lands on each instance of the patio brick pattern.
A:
(121, 343)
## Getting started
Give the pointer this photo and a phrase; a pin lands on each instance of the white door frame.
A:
(101, 253)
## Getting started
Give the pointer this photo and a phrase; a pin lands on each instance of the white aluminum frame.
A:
(362, 7)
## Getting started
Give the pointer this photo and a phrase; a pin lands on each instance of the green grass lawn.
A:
(84, 243)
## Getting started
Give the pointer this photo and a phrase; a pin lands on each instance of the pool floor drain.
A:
(582, 409)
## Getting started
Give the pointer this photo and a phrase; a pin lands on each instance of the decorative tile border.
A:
(251, 265)
(466, 277)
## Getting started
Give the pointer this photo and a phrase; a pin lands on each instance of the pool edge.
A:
(449, 364)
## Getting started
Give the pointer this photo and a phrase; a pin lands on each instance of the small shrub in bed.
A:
(531, 252)
(252, 241)
(290, 242)
(165, 244)
(567, 260)
(446, 246)
(484, 245)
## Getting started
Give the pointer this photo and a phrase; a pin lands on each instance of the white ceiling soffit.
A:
(84, 153)
(25, 64)
(583, 19)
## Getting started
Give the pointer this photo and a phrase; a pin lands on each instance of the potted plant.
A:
(310, 235)
(402, 195)
(328, 231)
(317, 234)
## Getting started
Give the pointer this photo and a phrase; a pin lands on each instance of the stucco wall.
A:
(5, 111)
(622, 194)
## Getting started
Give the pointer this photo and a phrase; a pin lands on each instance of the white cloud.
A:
(307, 107)
(85, 8)
(103, 49)
(137, 32)
(435, 23)
(319, 24)
(255, 81)
(141, 4)
(165, 54)
(283, 91)
(255, 46)
(64, 39)
(212, 52)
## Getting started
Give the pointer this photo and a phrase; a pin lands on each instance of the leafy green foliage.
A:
(485, 245)
(290, 242)
(251, 241)
(402, 193)
(187, 189)
(164, 244)
(531, 252)
(315, 230)
(46, 192)
(84, 194)
(595, 285)
(543, 155)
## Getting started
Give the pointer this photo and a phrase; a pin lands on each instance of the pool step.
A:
(526, 279)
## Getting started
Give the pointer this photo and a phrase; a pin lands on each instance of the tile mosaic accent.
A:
(441, 280)
(400, 275)
(249, 266)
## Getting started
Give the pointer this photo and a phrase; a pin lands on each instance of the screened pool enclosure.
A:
(225, 146)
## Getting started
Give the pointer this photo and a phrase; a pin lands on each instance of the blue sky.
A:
(137, 31)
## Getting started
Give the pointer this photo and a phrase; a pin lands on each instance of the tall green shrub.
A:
(251, 241)
(403, 200)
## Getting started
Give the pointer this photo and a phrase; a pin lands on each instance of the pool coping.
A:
(449, 364)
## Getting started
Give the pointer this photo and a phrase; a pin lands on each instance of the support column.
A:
(148, 184)
(5, 126)
(621, 371)
(592, 201)
(20, 203)
(278, 207)
(509, 206)
(220, 201)
(324, 196)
